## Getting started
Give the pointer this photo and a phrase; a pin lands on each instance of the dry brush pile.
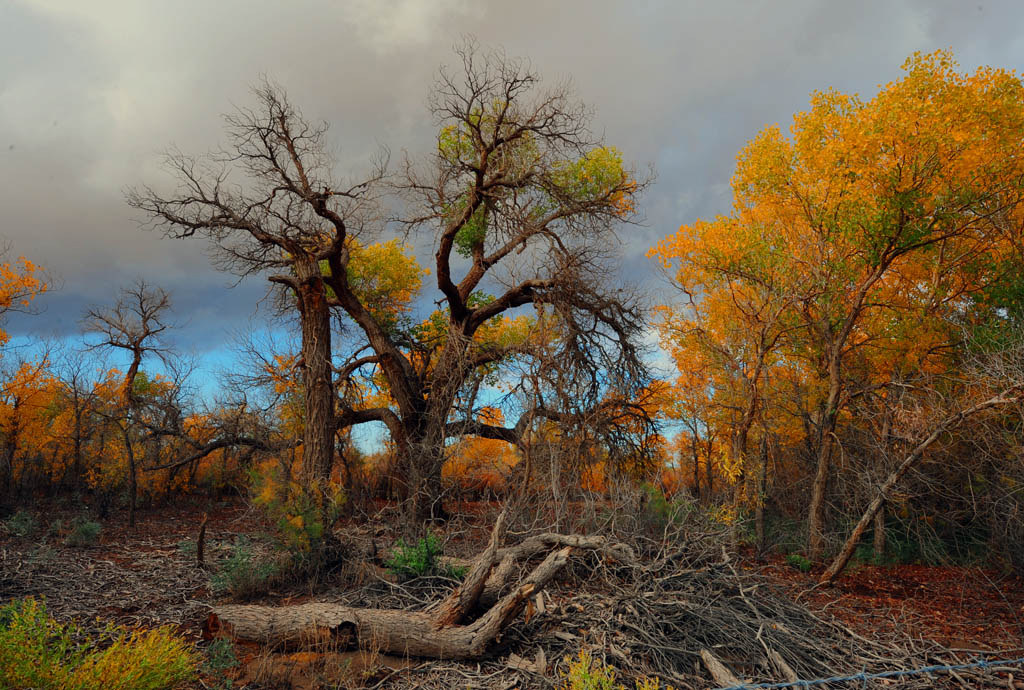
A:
(676, 609)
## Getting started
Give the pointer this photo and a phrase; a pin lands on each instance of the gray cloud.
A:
(90, 93)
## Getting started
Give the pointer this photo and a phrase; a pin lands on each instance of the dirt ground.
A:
(147, 576)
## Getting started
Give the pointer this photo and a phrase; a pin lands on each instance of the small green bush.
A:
(84, 533)
(243, 573)
(660, 511)
(799, 562)
(301, 523)
(187, 548)
(420, 560)
(220, 657)
(22, 524)
(38, 652)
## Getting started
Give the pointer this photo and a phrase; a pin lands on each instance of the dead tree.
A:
(460, 627)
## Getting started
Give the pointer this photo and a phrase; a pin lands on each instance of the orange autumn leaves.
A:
(867, 235)
(20, 283)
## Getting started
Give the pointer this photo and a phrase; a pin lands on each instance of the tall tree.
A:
(880, 219)
(290, 218)
(522, 199)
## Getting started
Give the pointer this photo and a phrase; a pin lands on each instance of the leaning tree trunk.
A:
(1010, 397)
(449, 630)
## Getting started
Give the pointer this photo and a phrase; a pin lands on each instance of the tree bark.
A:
(762, 490)
(132, 475)
(401, 633)
(819, 489)
(696, 466)
(318, 386)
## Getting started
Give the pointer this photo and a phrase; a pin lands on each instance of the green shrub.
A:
(420, 560)
(220, 657)
(187, 548)
(243, 573)
(38, 652)
(22, 524)
(84, 533)
(799, 562)
(659, 511)
(43, 554)
(303, 525)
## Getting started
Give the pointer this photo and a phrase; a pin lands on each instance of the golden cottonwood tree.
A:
(872, 221)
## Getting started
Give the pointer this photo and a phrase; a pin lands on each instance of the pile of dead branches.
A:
(523, 609)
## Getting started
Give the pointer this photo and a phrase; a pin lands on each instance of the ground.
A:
(148, 576)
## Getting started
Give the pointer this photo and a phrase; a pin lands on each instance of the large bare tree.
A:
(288, 218)
(523, 202)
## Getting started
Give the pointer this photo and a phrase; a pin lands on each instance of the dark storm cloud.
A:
(91, 93)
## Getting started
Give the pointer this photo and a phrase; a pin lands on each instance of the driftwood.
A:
(782, 667)
(449, 630)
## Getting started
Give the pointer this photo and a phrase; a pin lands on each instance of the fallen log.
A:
(446, 631)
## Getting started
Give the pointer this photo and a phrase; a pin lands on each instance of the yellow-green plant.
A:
(38, 652)
(587, 673)
(301, 521)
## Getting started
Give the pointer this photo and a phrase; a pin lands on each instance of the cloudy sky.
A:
(91, 92)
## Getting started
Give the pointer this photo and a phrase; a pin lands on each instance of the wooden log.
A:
(396, 632)
(719, 673)
(506, 558)
(464, 599)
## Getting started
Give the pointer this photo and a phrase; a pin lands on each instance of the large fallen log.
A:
(446, 631)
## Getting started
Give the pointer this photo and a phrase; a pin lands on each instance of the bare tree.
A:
(523, 201)
(78, 381)
(289, 219)
(134, 325)
(508, 200)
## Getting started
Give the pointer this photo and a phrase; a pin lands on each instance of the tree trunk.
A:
(826, 435)
(879, 546)
(762, 490)
(318, 384)
(709, 471)
(696, 466)
(424, 461)
(819, 489)
(132, 478)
